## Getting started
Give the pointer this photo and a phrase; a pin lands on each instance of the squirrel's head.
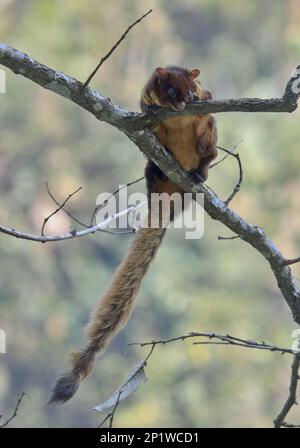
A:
(174, 86)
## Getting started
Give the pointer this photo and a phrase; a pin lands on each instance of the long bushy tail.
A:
(112, 312)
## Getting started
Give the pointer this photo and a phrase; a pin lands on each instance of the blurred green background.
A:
(47, 291)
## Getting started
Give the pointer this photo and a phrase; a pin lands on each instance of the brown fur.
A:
(112, 312)
(192, 139)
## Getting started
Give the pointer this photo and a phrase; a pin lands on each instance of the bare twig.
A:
(104, 420)
(222, 238)
(289, 425)
(66, 236)
(291, 261)
(218, 339)
(100, 206)
(227, 155)
(111, 415)
(61, 207)
(225, 340)
(86, 226)
(114, 411)
(149, 354)
(15, 413)
(58, 209)
(292, 398)
(114, 48)
(240, 180)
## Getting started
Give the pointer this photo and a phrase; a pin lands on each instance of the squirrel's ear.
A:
(159, 71)
(194, 73)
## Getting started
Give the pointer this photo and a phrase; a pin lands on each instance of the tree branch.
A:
(224, 340)
(218, 339)
(100, 206)
(92, 223)
(69, 235)
(102, 108)
(15, 413)
(292, 261)
(114, 47)
(128, 387)
(111, 415)
(241, 173)
(227, 238)
(226, 156)
(58, 209)
(61, 207)
(292, 398)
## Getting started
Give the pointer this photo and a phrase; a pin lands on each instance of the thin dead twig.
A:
(111, 415)
(225, 339)
(227, 155)
(292, 398)
(86, 226)
(61, 207)
(113, 48)
(58, 209)
(15, 413)
(226, 238)
(100, 206)
(290, 261)
(241, 174)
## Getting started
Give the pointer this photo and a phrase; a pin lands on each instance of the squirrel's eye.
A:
(171, 92)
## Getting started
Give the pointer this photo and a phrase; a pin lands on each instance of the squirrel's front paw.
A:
(152, 108)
